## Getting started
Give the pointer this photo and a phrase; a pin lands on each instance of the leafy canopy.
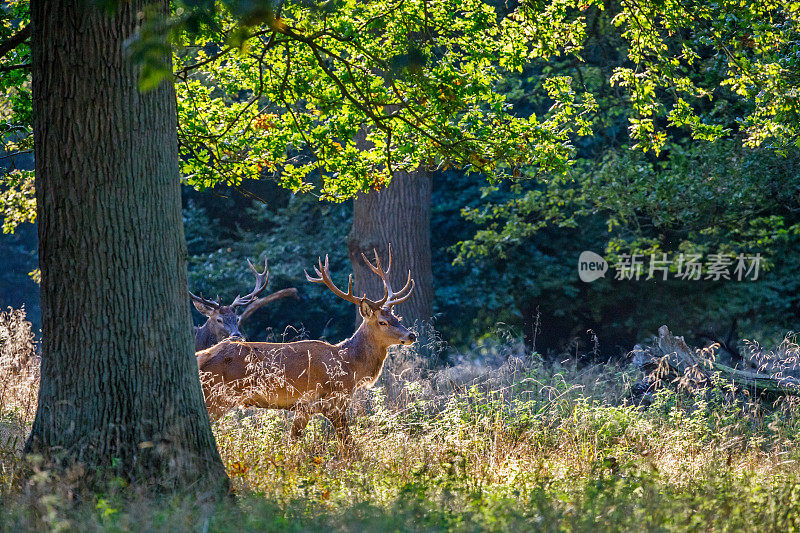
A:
(695, 136)
(346, 92)
(351, 91)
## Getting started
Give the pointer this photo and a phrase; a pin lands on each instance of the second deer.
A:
(223, 321)
(309, 376)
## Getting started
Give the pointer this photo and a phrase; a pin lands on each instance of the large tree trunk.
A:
(399, 214)
(119, 392)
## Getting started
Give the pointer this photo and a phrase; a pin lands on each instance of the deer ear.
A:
(203, 308)
(365, 310)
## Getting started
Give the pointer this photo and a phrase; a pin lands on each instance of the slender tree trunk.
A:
(401, 215)
(119, 385)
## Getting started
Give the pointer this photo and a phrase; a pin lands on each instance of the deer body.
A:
(309, 376)
(291, 373)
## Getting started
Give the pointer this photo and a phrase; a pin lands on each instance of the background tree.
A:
(644, 185)
(399, 214)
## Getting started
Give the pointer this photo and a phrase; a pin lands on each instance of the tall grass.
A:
(497, 441)
(19, 386)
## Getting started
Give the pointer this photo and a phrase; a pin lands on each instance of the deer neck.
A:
(366, 353)
(203, 337)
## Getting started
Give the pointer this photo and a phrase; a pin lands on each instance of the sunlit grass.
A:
(498, 441)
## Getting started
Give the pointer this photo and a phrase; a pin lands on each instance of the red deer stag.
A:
(309, 376)
(223, 321)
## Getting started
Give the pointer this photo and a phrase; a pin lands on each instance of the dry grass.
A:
(496, 441)
(19, 387)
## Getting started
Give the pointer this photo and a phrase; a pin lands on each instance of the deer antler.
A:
(261, 284)
(261, 302)
(324, 276)
(207, 303)
(390, 297)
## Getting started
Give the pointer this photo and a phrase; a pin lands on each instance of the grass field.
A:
(498, 441)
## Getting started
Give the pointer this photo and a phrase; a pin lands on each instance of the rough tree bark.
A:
(120, 391)
(399, 214)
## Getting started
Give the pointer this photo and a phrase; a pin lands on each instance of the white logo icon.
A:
(591, 266)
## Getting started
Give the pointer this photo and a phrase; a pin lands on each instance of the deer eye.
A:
(219, 319)
(382, 323)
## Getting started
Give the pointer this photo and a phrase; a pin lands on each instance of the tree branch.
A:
(15, 40)
(185, 70)
(9, 68)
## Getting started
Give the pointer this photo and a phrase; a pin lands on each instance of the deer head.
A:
(380, 322)
(223, 320)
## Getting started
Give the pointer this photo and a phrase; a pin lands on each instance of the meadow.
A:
(497, 441)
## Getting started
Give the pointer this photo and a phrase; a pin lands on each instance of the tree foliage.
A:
(288, 88)
(415, 80)
(17, 203)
